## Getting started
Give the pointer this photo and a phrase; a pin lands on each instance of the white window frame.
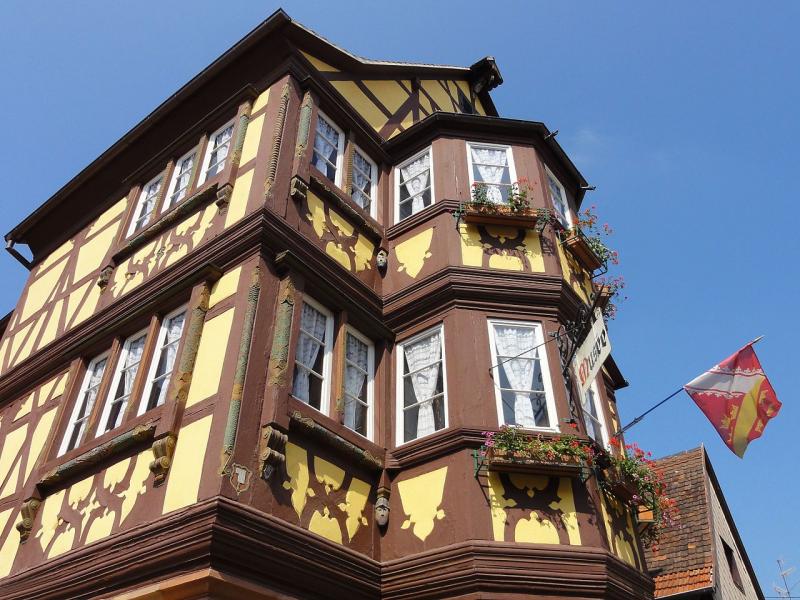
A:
(79, 400)
(373, 204)
(512, 172)
(550, 401)
(568, 217)
(337, 178)
(151, 369)
(601, 415)
(132, 228)
(168, 203)
(411, 159)
(108, 400)
(327, 360)
(209, 149)
(370, 379)
(399, 386)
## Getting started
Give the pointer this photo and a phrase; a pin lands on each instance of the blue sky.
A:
(683, 114)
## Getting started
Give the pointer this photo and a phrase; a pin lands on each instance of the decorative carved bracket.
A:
(163, 450)
(105, 277)
(271, 451)
(298, 189)
(28, 512)
(224, 197)
(311, 427)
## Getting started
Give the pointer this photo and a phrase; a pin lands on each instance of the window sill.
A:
(331, 192)
(78, 461)
(426, 214)
(335, 435)
(165, 221)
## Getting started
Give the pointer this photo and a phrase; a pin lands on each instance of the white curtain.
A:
(424, 380)
(415, 179)
(323, 147)
(491, 164)
(354, 378)
(512, 341)
(312, 321)
(221, 148)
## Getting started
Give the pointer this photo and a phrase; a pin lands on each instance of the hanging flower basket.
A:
(578, 244)
(620, 486)
(520, 462)
(645, 519)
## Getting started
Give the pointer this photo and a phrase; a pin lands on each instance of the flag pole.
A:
(645, 413)
(755, 341)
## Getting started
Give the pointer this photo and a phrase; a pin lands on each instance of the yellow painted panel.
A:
(337, 253)
(328, 474)
(533, 251)
(389, 92)
(536, 530)
(41, 290)
(51, 324)
(108, 216)
(76, 296)
(89, 306)
(363, 249)
(569, 514)
(320, 66)
(354, 502)
(92, 253)
(16, 340)
(40, 435)
(9, 460)
(412, 253)
(8, 551)
(183, 484)
(322, 523)
(479, 107)
(260, 102)
(505, 262)
(51, 519)
(421, 497)
(25, 407)
(210, 356)
(208, 216)
(316, 213)
(297, 470)
(439, 95)
(27, 347)
(238, 204)
(339, 222)
(138, 484)
(55, 256)
(363, 105)
(224, 287)
(252, 139)
(497, 505)
(471, 246)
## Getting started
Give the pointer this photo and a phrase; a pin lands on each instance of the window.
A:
(521, 378)
(593, 416)
(179, 183)
(559, 196)
(313, 356)
(733, 566)
(84, 404)
(122, 384)
(358, 372)
(422, 386)
(414, 187)
(146, 205)
(169, 335)
(219, 145)
(492, 166)
(328, 149)
(364, 181)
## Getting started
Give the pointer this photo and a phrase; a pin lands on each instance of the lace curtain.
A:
(325, 146)
(424, 380)
(355, 375)
(313, 322)
(491, 164)
(512, 341)
(362, 180)
(415, 179)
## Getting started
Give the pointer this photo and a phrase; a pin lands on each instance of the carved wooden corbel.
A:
(298, 189)
(105, 277)
(271, 453)
(163, 450)
(28, 512)
(224, 197)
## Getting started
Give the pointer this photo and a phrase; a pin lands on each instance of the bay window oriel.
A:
(523, 391)
(421, 386)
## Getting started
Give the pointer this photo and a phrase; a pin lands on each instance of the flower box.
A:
(622, 488)
(604, 294)
(645, 518)
(500, 214)
(578, 245)
(515, 462)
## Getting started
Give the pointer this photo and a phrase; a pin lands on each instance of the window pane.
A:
(126, 375)
(219, 151)
(559, 199)
(169, 337)
(310, 357)
(180, 185)
(414, 185)
(326, 148)
(362, 180)
(491, 167)
(356, 389)
(86, 400)
(423, 387)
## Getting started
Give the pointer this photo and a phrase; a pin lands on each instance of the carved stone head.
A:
(382, 511)
(382, 259)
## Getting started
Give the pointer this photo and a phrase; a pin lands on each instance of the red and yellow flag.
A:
(737, 398)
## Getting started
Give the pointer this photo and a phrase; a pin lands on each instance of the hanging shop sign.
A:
(592, 353)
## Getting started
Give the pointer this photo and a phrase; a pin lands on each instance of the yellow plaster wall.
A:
(183, 482)
(251, 140)
(238, 203)
(421, 499)
(620, 546)
(10, 545)
(363, 105)
(412, 253)
(349, 248)
(318, 64)
(260, 102)
(11, 459)
(224, 287)
(299, 478)
(210, 357)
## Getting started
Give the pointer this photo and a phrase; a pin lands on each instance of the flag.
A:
(737, 398)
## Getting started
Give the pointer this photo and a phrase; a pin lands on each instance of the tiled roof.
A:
(684, 558)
